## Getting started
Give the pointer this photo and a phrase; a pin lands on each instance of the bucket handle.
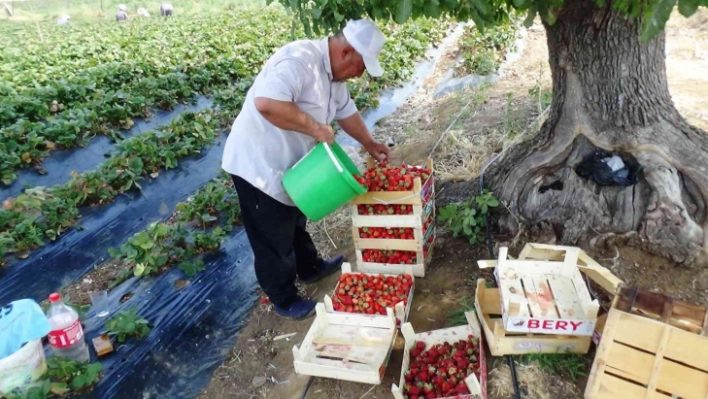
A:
(334, 159)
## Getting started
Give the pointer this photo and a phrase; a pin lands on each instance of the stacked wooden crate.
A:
(416, 252)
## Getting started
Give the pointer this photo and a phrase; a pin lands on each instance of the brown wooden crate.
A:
(643, 355)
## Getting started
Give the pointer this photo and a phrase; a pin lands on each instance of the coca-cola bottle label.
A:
(66, 337)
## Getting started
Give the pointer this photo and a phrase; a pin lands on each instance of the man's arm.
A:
(354, 126)
(288, 116)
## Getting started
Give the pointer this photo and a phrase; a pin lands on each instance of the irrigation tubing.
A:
(490, 244)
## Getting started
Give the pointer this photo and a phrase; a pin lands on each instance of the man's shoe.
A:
(329, 266)
(299, 310)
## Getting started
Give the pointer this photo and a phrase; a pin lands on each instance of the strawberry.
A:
(420, 345)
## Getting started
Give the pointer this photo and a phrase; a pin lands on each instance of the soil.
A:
(260, 364)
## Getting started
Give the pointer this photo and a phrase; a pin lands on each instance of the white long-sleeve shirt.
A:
(260, 152)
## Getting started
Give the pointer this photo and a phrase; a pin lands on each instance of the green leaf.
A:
(655, 19)
(136, 164)
(139, 270)
(115, 253)
(161, 260)
(687, 7)
(339, 17)
(79, 382)
(404, 9)
(208, 218)
(482, 7)
(519, 3)
(530, 16)
(316, 13)
(432, 9)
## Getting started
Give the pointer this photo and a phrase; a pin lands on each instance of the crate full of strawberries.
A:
(372, 294)
(447, 363)
(394, 223)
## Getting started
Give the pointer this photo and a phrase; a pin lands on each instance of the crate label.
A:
(596, 337)
(551, 326)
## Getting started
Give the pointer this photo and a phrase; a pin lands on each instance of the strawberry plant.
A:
(126, 324)
(56, 93)
(191, 268)
(149, 250)
(370, 294)
(209, 241)
(467, 218)
(67, 375)
(483, 51)
(439, 371)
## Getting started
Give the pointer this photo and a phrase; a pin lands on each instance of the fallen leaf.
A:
(7, 204)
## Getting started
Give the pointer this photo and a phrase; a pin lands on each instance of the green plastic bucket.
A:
(322, 181)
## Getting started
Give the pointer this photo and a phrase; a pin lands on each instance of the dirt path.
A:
(261, 367)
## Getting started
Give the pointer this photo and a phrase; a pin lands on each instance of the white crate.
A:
(422, 210)
(349, 347)
(400, 311)
(477, 387)
(543, 292)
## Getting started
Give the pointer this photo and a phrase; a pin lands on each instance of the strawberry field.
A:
(93, 200)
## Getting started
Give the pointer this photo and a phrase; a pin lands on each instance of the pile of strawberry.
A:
(399, 233)
(384, 209)
(361, 180)
(370, 294)
(393, 178)
(440, 371)
(389, 256)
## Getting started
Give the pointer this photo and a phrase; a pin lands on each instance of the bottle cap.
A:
(54, 297)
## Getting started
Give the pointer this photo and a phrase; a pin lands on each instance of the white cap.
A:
(368, 40)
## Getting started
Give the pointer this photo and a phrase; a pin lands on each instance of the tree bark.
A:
(610, 92)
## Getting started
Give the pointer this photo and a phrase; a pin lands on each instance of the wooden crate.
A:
(652, 347)
(543, 292)
(349, 347)
(400, 311)
(489, 310)
(422, 200)
(477, 387)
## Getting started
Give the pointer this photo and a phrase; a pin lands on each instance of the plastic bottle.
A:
(67, 336)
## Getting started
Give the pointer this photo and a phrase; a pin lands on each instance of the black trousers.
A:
(282, 247)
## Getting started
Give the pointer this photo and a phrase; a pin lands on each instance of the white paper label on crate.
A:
(551, 326)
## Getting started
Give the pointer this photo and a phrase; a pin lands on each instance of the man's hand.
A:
(323, 133)
(379, 151)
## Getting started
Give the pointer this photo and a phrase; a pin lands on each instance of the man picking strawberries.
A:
(296, 96)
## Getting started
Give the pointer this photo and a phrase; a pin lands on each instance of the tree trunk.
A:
(610, 92)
